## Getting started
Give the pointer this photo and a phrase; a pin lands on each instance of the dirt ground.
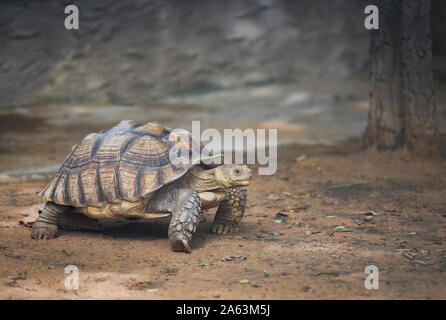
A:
(309, 232)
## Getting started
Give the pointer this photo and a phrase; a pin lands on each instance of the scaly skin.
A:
(185, 219)
(231, 211)
(46, 225)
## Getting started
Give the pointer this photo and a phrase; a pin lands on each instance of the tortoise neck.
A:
(200, 179)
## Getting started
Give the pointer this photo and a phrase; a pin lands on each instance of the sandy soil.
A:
(303, 237)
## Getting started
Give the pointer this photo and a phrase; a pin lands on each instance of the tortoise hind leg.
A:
(230, 212)
(55, 216)
(46, 225)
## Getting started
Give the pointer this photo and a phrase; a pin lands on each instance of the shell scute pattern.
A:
(126, 162)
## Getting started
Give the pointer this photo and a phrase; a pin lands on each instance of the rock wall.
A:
(130, 52)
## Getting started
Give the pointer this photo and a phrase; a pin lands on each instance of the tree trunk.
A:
(402, 104)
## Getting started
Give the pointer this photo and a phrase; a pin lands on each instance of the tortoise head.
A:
(233, 175)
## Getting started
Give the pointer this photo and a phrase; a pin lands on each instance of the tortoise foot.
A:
(44, 230)
(224, 228)
(180, 242)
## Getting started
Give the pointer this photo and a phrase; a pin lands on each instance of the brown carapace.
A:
(125, 162)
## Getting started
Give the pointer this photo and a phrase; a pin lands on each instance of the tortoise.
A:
(126, 172)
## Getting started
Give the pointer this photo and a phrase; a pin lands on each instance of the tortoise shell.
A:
(127, 162)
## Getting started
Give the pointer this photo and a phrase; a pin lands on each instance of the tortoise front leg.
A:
(185, 219)
(47, 224)
(231, 211)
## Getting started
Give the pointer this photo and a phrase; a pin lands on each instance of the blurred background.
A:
(299, 66)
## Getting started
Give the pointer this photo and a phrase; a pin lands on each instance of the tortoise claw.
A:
(43, 230)
(186, 246)
(221, 228)
(180, 244)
